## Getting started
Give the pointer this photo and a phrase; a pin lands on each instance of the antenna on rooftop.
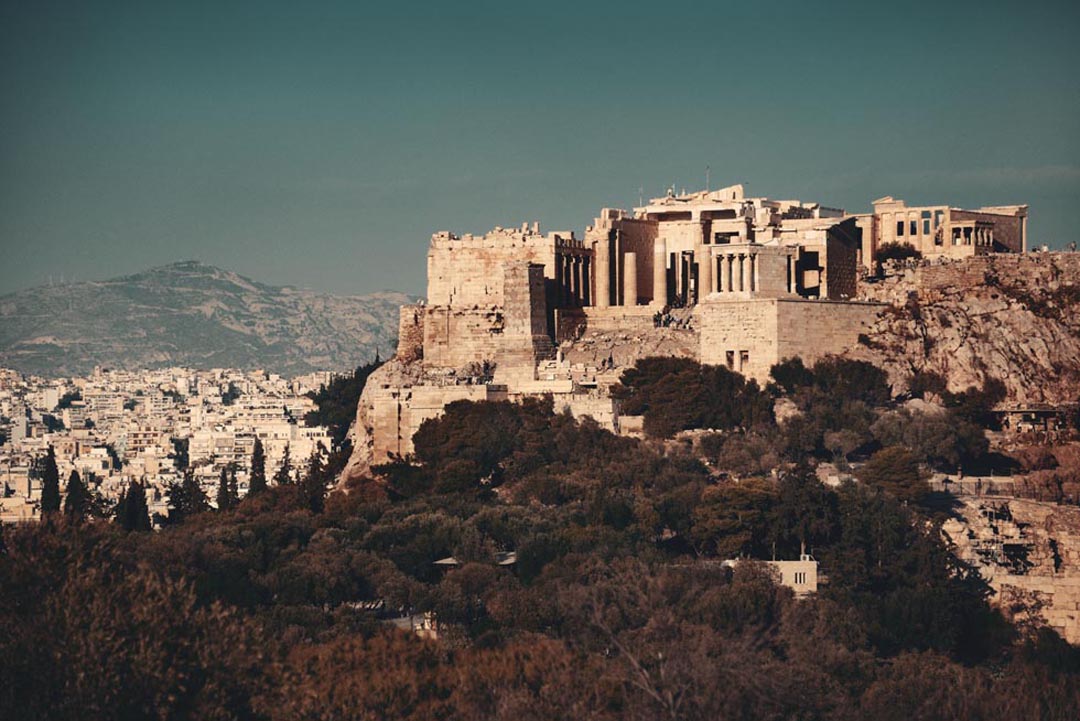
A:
(641, 195)
(706, 178)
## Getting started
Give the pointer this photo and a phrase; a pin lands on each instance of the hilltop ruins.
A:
(717, 276)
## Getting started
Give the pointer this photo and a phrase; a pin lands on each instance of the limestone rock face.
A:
(393, 373)
(1029, 553)
(1015, 318)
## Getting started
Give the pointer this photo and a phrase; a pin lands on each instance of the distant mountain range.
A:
(194, 315)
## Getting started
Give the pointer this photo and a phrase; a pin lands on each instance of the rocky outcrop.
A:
(1029, 554)
(1015, 318)
(395, 373)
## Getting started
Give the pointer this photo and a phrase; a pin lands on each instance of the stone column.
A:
(757, 272)
(722, 283)
(559, 295)
(603, 275)
(579, 280)
(629, 278)
(659, 285)
(742, 272)
(705, 268)
(586, 282)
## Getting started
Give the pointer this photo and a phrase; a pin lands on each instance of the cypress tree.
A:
(283, 477)
(258, 469)
(132, 512)
(77, 503)
(234, 493)
(186, 498)
(313, 484)
(50, 484)
(224, 499)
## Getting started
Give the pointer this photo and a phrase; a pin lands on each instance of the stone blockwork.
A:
(750, 336)
(1029, 553)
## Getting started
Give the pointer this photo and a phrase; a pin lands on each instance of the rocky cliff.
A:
(1015, 318)
(1029, 553)
(194, 315)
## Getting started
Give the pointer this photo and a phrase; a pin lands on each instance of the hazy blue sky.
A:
(321, 143)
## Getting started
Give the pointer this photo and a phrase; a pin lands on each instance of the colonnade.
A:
(572, 275)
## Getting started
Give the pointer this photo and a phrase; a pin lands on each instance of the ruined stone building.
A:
(942, 231)
(718, 276)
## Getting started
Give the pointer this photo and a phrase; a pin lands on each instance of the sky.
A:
(320, 144)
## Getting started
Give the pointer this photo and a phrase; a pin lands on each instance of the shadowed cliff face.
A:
(193, 315)
(1009, 317)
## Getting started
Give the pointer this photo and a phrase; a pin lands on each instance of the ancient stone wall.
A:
(454, 338)
(410, 333)
(468, 270)
(752, 335)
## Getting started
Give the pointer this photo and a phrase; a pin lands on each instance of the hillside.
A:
(1009, 317)
(194, 315)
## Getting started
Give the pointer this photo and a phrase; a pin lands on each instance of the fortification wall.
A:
(468, 271)
(455, 338)
(739, 334)
(812, 329)
(750, 336)
(410, 333)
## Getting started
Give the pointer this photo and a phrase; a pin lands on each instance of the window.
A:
(899, 229)
(744, 359)
(800, 578)
(914, 229)
(926, 226)
(731, 360)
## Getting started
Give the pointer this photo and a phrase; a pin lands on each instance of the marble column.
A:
(603, 275)
(660, 289)
(705, 268)
(629, 278)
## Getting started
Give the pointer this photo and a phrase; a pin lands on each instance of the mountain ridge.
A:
(192, 314)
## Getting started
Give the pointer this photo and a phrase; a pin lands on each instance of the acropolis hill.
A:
(716, 276)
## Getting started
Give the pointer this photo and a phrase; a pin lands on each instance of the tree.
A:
(283, 477)
(78, 501)
(50, 484)
(258, 469)
(226, 492)
(186, 498)
(132, 512)
(894, 251)
(313, 484)
(896, 471)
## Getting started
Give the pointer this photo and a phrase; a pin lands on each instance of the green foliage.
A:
(52, 423)
(180, 453)
(257, 481)
(791, 374)
(896, 471)
(186, 498)
(50, 483)
(895, 251)
(284, 474)
(337, 402)
(78, 501)
(227, 496)
(940, 440)
(132, 511)
(676, 394)
(68, 399)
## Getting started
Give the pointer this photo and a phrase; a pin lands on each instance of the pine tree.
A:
(50, 484)
(258, 469)
(313, 484)
(224, 499)
(283, 477)
(78, 501)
